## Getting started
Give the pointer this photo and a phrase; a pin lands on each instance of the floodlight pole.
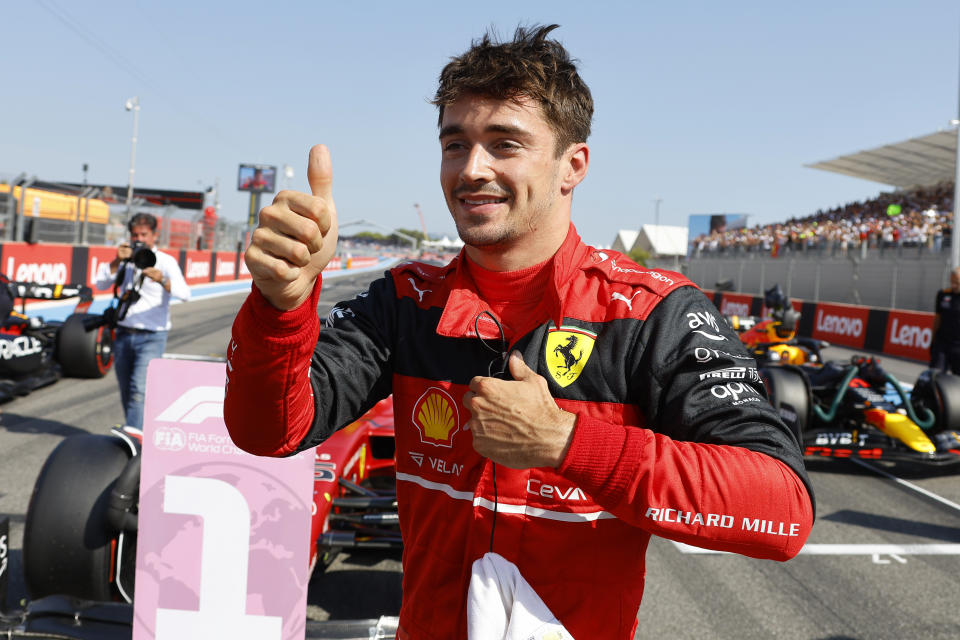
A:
(133, 104)
(955, 235)
(656, 223)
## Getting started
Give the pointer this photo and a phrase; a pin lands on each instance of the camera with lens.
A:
(143, 256)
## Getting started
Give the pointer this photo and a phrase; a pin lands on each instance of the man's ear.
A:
(575, 161)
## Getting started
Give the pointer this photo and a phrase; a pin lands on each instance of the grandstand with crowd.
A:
(919, 219)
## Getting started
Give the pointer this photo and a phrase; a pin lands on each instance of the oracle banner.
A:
(841, 324)
(909, 335)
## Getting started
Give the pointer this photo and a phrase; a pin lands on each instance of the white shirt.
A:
(152, 310)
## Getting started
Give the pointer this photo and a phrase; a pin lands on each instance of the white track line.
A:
(909, 485)
(852, 549)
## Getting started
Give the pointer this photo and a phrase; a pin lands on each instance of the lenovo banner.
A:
(43, 264)
(243, 272)
(226, 266)
(841, 324)
(197, 270)
(909, 335)
(224, 536)
(736, 304)
(96, 258)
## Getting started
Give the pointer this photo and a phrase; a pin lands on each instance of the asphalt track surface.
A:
(883, 560)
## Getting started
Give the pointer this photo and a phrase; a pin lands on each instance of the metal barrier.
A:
(887, 281)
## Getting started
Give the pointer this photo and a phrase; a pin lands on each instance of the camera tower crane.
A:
(423, 224)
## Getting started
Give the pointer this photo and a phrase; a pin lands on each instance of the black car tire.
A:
(82, 352)
(789, 393)
(939, 392)
(66, 539)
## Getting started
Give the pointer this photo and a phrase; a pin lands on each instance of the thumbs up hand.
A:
(296, 237)
(516, 422)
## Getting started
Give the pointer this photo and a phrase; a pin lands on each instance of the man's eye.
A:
(452, 146)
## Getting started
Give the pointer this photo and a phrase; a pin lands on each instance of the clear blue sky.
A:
(711, 106)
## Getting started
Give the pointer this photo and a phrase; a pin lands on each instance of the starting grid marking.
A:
(879, 553)
(875, 550)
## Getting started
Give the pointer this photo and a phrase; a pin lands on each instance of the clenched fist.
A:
(296, 237)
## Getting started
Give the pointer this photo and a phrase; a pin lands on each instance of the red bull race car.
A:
(35, 352)
(849, 409)
(858, 410)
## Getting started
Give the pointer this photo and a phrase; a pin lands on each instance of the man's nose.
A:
(478, 167)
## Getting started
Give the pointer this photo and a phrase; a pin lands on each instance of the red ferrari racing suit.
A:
(674, 436)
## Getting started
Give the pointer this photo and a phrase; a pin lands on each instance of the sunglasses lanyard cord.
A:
(502, 353)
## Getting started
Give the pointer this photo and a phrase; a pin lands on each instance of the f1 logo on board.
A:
(195, 406)
(842, 324)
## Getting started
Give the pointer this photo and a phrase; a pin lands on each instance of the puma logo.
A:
(625, 299)
(420, 292)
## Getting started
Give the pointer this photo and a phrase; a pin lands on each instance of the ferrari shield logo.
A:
(568, 349)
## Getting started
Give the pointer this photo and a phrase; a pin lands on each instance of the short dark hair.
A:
(531, 66)
(142, 220)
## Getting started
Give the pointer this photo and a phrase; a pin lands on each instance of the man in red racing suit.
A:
(557, 409)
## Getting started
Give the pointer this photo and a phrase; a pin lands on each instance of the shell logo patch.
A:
(435, 415)
(567, 352)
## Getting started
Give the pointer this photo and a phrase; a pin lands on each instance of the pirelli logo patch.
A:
(567, 352)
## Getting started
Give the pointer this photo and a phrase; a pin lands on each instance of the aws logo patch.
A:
(435, 415)
(567, 352)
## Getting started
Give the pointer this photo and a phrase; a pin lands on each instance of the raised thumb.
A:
(518, 368)
(320, 171)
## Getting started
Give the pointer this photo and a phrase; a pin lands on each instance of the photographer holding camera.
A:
(145, 280)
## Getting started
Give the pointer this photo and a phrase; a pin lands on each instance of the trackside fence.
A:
(904, 334)
(78, 264)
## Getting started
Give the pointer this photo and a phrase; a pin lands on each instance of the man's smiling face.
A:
(499, 171)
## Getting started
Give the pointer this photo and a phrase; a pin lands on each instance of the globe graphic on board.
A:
(173, 574)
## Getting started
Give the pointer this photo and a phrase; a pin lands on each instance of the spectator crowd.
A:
(920, 219)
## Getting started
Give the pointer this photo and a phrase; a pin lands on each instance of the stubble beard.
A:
(485, 235)
(504, 232)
